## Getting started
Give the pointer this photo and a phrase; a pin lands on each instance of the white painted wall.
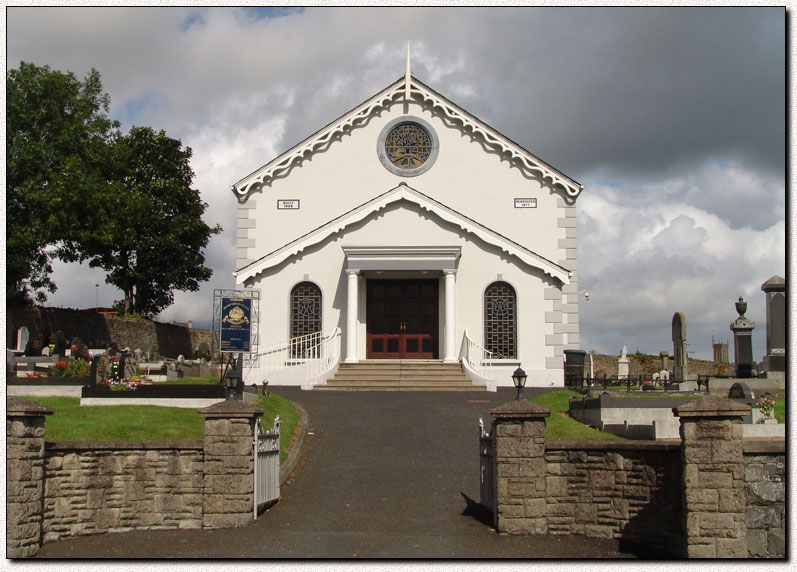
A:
(466, 177)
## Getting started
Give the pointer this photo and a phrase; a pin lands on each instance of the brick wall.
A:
(99, 330)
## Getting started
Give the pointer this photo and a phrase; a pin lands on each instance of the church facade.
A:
(408, 229)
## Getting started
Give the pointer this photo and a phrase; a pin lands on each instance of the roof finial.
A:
(407, 76)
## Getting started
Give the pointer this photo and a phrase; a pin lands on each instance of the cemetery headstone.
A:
(623, 364)
(775, 361)
(681, 367)
(742, 329)
(203, 351)
(34, 348)
(23, 337)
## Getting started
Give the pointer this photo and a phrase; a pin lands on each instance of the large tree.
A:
(57, 140)
(152, 240)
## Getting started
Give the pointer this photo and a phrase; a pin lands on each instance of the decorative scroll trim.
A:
(426, 96)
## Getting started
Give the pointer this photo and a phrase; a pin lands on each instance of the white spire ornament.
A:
(407, 76)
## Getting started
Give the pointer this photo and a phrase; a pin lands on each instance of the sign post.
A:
(235, 329)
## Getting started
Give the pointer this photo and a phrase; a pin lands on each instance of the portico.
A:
(402, 320)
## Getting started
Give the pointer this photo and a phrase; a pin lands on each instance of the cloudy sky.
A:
(674, 120)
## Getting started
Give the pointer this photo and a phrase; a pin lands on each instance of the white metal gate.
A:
(488, 470)
(267, 465)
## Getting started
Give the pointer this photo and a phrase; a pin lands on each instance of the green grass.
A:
(71, 422)
(191, 381)
(780, 409)
(276, 405)
(560, 426)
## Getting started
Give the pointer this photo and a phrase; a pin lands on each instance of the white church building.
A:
(407, 229)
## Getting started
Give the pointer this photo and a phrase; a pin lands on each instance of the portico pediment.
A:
(437, 257)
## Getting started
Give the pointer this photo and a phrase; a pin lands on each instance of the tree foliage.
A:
(152, 239)
(57, 139)
(77, 189)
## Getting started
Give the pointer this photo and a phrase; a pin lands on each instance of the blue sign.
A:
(236, 325)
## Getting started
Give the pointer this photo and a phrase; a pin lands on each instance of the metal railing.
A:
(267, 465)
(633, 383)
(315, 353)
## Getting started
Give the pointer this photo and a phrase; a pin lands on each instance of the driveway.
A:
(382, 475)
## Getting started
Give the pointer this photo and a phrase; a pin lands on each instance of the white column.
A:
(450, 320)
(351, 316)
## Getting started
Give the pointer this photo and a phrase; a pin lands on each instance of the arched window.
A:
(305, 315)
(500, 320)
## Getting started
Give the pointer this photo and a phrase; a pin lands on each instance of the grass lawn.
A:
(780, 409)
(560, 426)
(71, 422)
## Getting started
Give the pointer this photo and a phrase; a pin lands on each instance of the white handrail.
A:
(318, 353)
(477, 359)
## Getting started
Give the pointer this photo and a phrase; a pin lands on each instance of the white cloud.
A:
(675, 125)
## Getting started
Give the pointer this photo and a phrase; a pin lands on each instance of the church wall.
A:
(480, 265)
(466, 178)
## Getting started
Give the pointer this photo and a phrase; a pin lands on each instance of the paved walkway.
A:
(382, 475)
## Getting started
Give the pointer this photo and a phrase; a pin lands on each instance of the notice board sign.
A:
(236, 324)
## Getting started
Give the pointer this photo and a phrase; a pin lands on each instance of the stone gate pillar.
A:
(519, 429)
(24, 476)
(713, 478)
(229, 465)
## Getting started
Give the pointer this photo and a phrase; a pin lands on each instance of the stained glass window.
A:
(500, 320)
(408, 146)
(305, 316)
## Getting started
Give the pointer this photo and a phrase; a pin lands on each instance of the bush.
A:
(78, 368)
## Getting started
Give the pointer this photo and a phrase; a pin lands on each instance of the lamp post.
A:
(97, 298)
(519, 379)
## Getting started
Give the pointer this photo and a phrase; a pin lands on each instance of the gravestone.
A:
(203, 351)
(665, 361)
(204, 368)
(623, 364)
(23, 337)
(775, 361)
(742, 329)
(680, 368)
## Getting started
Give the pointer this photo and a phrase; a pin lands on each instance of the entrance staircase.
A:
(400, 375)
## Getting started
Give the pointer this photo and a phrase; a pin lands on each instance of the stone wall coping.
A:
(763, 446)
(230, 409)
(624, 445)
(519, 410)
(712, 406)
(18, 407)
(122, 445)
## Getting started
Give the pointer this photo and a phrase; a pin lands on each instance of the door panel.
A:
(401, 319)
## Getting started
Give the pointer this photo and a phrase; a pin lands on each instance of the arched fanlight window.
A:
(500, 320)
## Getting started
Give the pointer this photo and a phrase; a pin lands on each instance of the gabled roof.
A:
(402, 192)
(406, 87)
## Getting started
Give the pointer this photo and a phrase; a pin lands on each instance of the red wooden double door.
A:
(402, 319)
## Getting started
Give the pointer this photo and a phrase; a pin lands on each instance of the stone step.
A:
(400, 375)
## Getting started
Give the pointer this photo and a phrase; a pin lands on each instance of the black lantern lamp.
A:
(519, 379)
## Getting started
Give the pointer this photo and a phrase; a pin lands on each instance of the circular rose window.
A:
(407, 146)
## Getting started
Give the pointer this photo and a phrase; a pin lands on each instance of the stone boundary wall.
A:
(709, 494)
(615, 489)
(765, 480)
(115, 487)
(101, 330)
(61, 490)
(647, 364)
